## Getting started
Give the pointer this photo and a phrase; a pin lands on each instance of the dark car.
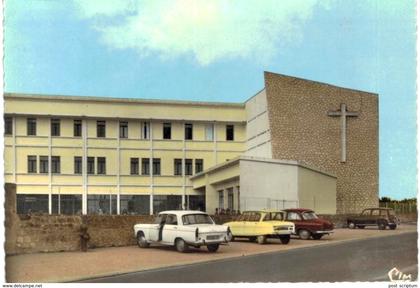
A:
(381, 217)
(307, 223)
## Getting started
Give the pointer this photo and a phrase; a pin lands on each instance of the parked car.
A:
(308, 224)
(381, 217)
(182, 229)
(260, 225)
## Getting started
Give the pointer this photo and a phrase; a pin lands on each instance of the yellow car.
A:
(260, 225)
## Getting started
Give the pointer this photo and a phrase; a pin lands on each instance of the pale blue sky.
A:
(217, 51)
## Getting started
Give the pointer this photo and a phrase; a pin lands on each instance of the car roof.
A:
(181, 212)
(263, 211)
(381, 208)
(299, 209)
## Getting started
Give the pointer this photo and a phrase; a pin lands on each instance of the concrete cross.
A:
(343, 114)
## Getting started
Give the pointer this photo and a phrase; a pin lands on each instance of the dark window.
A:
(55, 127)
(100, 129)
(77, 128)
(101, 165)
(27, 203)
(102, 204)
(8, 125)
(197, 202)
(198, 165)
(78, 165)
(188, 167)
(156, 166)
(91, 165)
(171, 220)
(31, 126)
(230, 199)
(292, 216)
(135, 204)
(221, 199)
(188, 131)
(177, 166)
(123, 129)
(146, 130)
(55, 164)
(66, 204)
(43, 164)
(134, 166)
(32, 164)
(166, 130)
(166, 202)
(145, 166)
(230, 131)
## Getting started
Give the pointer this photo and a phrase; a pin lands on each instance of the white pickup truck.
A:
(182, 229)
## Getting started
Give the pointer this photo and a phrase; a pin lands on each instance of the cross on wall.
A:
(343, 114)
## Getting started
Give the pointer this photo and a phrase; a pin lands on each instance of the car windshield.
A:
(191, 219)
(309, 215)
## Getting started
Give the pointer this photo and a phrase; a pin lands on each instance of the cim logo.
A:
(396, 275)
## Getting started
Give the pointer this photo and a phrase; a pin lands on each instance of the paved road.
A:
(361, 260)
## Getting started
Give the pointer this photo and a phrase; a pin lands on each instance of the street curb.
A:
(98, 276)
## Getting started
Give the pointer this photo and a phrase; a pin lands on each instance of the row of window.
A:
(101, 165)
(31, 125)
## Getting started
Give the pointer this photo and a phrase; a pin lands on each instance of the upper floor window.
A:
(31, 126)
(230, 132)
(188, 167)
(166, 130)
(156, 166)
(91, 165)
(8, 126)
(145, 166)
(31, 164)
(134, 166)
(77, 128)
(198, 165)
(55, 127)
(43, 164)
(100, 129)
(101, 165)
(209, 131)
(145, 131)
(55, 164)
(188, 131)
(78, 165)
(123, 129)
(177, 166)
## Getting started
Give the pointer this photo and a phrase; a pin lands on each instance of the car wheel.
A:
(392, 227)
(180, 245)
(351, 225)
(230, 236)
(213, 247)
(304, 234)
(252, 239)
(317, 236)
(361, 226)
(141, 241)
(381, 226)
(285, 239)
(262, 239)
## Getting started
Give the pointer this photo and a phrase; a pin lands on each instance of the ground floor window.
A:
(166, 202)
(230, 199)
(30, 203)
(196, 202)
(102, 204)
(66, 204)
(135, 204)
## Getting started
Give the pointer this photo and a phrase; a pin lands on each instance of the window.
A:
(101, 165)
(188, 167)
(145, 130)
(78, 165)
(31, 164)
(8, 126)
(31, 126)
(166, 130)
(188, 131)
(66, 204)
(100, 129)
(135, 204)
(177, 166)
(123, 129)
(366, 212)
(198, 165)
(145, 166)
(91, 165)
(166, 202)
(134, 166)
(375, 212)
(55, 127)
(292, 216)
(229, 132)
(209, 131)
(156, 166)
(43, 164)
(221, 200)
(102, 204)
(31, 203)
(255, 217)
(55, 164)
(171, 220)
(230, 199)
(77, 128)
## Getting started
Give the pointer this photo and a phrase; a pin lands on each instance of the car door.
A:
(238, 227)
(155, 229)
(170, 230)
(374, 216)
(364, 218)
(295, 217)
(253, 225)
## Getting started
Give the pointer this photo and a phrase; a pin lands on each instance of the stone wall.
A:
(302, 130)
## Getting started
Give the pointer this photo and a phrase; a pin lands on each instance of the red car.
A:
(307, 224)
